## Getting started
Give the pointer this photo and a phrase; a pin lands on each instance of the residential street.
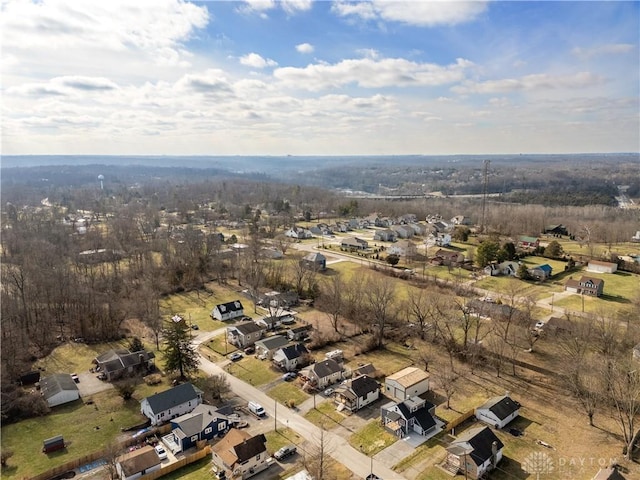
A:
(339, 447)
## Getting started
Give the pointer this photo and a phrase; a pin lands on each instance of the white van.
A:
(256, 409)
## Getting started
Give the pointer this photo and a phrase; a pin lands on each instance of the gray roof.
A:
(326, 367)
(271, 343)
(56, 383)
(173, 397)
(247, 328)
(480, 439)
(195, 422)
(294, 351)
(363, 385)
(111, 355)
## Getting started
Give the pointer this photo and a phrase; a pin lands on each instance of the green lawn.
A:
(280, 438)
(253, 371)
(286, 392)
(77, 422)
(325, 414)
(220, 345)
(200, 470)
(195, 306)
(75, 357)
(371, 438)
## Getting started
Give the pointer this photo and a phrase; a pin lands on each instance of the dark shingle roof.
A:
(326, 367)
(424, 418)
(195, 422)
(139, 460)
(501, 407)
(229, 306)
(294, 351)
(250, 447)
(276, 341)
(363, 385)
(481, 440)
(170, 398)
(247, 328)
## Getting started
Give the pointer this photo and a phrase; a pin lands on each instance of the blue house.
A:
(541, 272)
(203, 423)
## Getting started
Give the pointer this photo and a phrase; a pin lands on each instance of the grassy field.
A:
(284, 436)
(325, 415)
(430, 451)
(253, 371)
(288, 392)
(77, 422)
(372, 438)
(196, 306)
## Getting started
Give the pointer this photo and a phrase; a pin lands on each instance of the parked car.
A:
(288, 321)
(539, 325)
(195, 327)
(162, 453)
(329, 391)
(235, 356)
(285, 452)
(250, 349)
(289, 376)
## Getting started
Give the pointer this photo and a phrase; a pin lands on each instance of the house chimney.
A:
(507, 393)
(494, 454)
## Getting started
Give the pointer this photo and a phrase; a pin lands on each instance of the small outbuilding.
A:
(140, 462)
(408, 382)
(53, 444)
(58, 389)
(498, 411)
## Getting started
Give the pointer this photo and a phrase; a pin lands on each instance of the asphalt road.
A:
(339, 448)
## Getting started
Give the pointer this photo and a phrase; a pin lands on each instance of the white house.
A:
(298, 232)
(356, 393)
(58, 389)
(266, 347)
(498, 411)
(240, 455)
(228, 311)
(412, 415)
(403, 248)
(176, 401)
(475, 453)
(290, 358)
(406, 383)
(244, 334)
(139, 462)
(324, 373)
(601, 267)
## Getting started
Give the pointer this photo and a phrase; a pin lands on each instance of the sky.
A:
(303, 77)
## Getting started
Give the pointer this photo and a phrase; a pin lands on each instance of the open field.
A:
(195, 306)
(372, 438)
(286, 392)
(325, 414)
(253, 371)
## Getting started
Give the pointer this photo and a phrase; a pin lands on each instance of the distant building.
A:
(601, 267)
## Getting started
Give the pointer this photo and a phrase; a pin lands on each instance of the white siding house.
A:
(164, 406)
(498, 411)
(228, 311)
(58, 389)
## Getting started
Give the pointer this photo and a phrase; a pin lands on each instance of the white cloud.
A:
(371, 73)
(540, 81)
(293, 6)
(256, 61)
(305, 48)
(610, 49)
(262, 6)
(422, 13)
(64, 86)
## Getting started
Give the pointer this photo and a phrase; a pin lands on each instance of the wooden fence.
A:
(457, 421)
(172, 467)
(91, 457)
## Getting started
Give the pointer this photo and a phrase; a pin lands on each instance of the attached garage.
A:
(58, 389)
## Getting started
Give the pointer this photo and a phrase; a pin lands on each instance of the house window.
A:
(258, 457)
(222, 426)
(194, 438)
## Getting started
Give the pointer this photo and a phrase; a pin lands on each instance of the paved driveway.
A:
(89, 384)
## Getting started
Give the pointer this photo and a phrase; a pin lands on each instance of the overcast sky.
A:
(326, 78)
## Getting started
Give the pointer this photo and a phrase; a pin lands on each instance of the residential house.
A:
(408, 218)
(240, 454)
(408, 382)
(354, 243)
(447, 257)
(585, 286)
(597, 266)
(298, 232)
(441, 226)
(418, 228)
(528, 242)
(403, 248)
(411, 415)
(228, 311)
(442, 239)
(276, 321)
(279, 299)
(385, 235)
(636, 237)
(366, 369)
(341, 227)
(541, 272)
(460, 220)
(357, 223)
(509, 268)
(356, 393)
(322, 374)
(498, 411)
(497, 311)
(137, 463)
(272, 253)
(244, 334)
(172, 403)
(403, 231)
(556, 230)
(299, 333)
(291, 357)
(266, 347)
(321, 229)
(315, 261)
(118, 363)
(58, 389)
(203, 423)
(474, 453)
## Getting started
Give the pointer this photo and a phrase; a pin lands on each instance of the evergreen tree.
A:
(487, 252)
(180, 353)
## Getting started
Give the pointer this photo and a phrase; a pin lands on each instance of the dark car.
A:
(289, 376)
(234, 357)
(285, 452)
(249, 350)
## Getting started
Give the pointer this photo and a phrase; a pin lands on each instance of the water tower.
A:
(101, 178)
